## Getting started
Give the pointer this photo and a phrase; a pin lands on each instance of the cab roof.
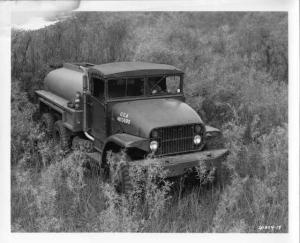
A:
(131, 69)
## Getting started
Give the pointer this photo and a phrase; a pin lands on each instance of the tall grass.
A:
(257, 195)
(54, 193)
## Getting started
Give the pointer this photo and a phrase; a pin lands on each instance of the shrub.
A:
(24, 131)
(136, 210)
(258, 192)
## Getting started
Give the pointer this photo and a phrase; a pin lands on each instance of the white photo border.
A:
(291, 6)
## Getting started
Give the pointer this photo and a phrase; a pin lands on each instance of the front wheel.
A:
(119, 172)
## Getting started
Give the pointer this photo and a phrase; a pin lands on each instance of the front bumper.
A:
(180, 164)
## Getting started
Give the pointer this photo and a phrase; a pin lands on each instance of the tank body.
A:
(64, 82)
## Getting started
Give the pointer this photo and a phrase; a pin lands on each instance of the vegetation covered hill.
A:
(236, 67)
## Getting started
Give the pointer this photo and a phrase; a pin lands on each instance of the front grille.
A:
(176, 139)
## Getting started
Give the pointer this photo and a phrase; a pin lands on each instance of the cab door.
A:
(97, 110)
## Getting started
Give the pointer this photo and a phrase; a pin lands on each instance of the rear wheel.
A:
(62, 136)
(47, 121)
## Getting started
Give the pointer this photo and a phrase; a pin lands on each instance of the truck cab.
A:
(133, 106)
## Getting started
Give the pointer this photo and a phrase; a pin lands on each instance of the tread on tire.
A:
(62, 135)
(48, 123)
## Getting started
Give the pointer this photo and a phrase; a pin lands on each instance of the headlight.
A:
(153, 146)
(197, 140)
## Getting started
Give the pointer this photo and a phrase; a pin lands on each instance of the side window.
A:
(135, 87)
(116, 88)
(98, 88)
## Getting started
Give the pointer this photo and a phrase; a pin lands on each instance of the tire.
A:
(47, 121)
(119, 175)
(62, 136)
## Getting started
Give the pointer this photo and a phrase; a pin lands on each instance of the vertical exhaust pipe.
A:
(85, 88)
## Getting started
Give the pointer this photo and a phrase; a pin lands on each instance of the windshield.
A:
(134, 87)
(118, 88)
(163, 85)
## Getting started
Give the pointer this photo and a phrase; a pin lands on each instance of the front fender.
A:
(211, 131)
(129, 141)
(213, 138)
(125, 140)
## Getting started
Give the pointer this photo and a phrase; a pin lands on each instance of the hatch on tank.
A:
(76, 66)
(71, 65)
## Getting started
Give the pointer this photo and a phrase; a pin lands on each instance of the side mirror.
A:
(85, 82)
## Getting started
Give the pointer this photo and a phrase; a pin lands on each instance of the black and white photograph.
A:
(152, 119)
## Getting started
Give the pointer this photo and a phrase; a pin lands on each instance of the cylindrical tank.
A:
(64, 82)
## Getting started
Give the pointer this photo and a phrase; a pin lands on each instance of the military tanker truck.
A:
(135, 107)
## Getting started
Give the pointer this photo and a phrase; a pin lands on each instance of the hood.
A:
(139, 117)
